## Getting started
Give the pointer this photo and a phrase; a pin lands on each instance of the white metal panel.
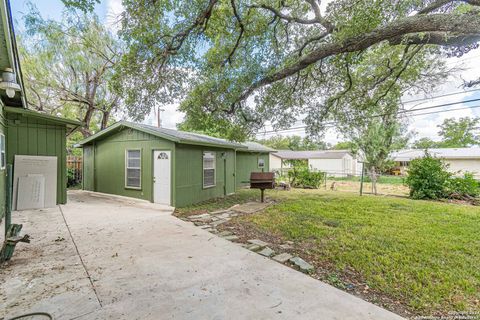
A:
(162, 177)
(37, 165)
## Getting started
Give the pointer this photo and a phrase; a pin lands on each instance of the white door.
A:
(162, 169)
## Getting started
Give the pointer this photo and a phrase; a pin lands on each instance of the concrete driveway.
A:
(127, 259)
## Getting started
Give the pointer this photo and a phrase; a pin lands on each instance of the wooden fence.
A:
(74, 167)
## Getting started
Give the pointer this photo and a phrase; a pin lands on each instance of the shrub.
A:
(71, 178)
(427, 178)
(462, 187)
(302, 177)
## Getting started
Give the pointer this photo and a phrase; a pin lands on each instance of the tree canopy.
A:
(239, 64)
(69, 65)
(295, 143)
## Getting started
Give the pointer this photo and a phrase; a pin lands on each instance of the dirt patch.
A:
(346, 280)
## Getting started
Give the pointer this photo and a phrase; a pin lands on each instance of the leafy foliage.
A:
(463, 132)
(427, 178)
(295, 143)
(68, 66)
(240, 64)
(462, 187)
(303, 177)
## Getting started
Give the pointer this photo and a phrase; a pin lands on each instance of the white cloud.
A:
(114, 10)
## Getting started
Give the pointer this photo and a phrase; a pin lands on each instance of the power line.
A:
(440, 96)
(398, 112)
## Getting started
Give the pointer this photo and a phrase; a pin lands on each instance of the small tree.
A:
(427, 178)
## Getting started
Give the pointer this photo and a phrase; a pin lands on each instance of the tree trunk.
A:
(105, 118)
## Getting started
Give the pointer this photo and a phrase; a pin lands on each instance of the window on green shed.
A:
(133, 168)
(208, 169)
(3, 158)
(261, 163)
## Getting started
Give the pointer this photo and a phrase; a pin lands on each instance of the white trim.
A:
(3, 153)
(126, 167)
(214, 169)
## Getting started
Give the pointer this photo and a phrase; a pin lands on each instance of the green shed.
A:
(159, 165)
(255, 158)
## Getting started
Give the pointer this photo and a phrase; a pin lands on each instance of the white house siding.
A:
(341, 167)
(275, 162)
(464, 165)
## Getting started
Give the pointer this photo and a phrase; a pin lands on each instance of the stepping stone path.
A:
(282, 257)
(267, 252)
(302, 264)
(259, 243)
(210, 221)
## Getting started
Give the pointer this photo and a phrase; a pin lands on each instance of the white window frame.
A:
(258, 163)
(127, 167)
(214, 169)
(3, 154)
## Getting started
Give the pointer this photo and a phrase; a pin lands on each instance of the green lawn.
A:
(424, 254)
(395, 180)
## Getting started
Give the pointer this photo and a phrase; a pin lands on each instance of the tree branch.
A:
(469, 24)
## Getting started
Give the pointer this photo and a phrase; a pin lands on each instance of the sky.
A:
(423, 125)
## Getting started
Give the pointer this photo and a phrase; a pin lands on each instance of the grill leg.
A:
(262, 191)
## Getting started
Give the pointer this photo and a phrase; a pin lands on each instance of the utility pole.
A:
(159, 120)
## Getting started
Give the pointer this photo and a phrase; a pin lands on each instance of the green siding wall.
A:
(2, 172)
(104, 167)
(37, 137)
(107, 158)
(88, 168)
(189, 174)
(247, 162)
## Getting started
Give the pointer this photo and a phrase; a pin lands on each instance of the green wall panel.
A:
(247, 162)
(2, 172)
(38, 137)
(189, 174)
(107, 158)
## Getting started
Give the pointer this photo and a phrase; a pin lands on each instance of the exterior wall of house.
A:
(455, 166)
(333, 167)
(188, 174)
(3, 174)
(104, 163)
(27, 135)
(104, 168)
(275, 162)
(464, 165)
(247, 162)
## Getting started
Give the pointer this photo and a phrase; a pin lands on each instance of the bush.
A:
(71, 178)
(463, 187)
(427, 178)
(302, 177)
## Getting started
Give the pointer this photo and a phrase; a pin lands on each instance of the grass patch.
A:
(242, 196)
(425, 254)
(395, 180)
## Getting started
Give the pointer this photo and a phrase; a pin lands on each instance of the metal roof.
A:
(316, 154)
(168, 134)
(446, 153)
(257, 147)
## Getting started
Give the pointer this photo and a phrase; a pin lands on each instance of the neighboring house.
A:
(459, 160)
(22, 131)
(338, 163)
(165, 166)
(254, 158)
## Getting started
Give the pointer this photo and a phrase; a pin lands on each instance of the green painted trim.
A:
(33, 114)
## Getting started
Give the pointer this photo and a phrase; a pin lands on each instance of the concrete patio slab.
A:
(146, 264)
